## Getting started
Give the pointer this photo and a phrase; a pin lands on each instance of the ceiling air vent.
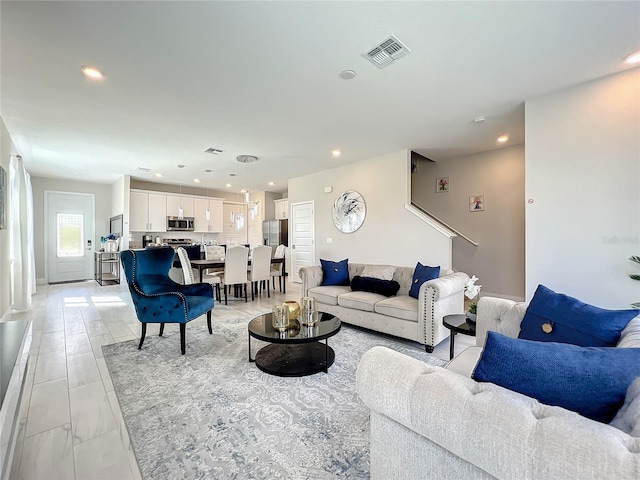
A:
(386, 52)
(213, 151)
(142, 170)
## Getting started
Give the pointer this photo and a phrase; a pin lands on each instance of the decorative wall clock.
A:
(349, 211)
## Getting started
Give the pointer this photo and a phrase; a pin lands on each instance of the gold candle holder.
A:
(309, 311)
(280, 318)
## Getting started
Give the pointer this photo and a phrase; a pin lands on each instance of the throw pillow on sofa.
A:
(554, 317)
(590, 381)
(388, 288)
(335, 273)
(421, 274)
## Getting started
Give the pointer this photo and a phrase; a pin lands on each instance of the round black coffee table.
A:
(297, 351)
(458, 323)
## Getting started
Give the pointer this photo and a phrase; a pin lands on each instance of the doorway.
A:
(302, 238)
(69, 236)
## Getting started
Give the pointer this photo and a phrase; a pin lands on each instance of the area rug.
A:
(212, 414)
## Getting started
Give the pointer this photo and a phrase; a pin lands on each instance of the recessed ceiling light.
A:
(91, 72)
(208, 170)
(244, 190)
(181, 166)
(503, 138)
(159, 175)
(271, 184)
(228, 185)
(480, 119)
(347, 74)
(336, 153)
(633, 58)
(196, 180)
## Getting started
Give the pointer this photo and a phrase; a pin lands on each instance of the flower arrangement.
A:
(111, 236)
(471, 291)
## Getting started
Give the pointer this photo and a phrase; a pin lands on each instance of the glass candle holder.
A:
(280, 318)
(309, 311)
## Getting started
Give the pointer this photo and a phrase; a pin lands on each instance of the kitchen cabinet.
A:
(282, 208)
(147, 212)
(175, 201)
(215, 222)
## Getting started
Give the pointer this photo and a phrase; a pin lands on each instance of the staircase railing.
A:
(444, 224)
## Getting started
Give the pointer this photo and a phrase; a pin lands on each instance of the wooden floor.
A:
(71, 426)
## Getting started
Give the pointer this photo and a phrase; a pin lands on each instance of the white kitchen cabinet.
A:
(147, 212)
(282, 208)
(215, 222)
(174, 202)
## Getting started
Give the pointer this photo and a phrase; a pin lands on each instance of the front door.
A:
(69, 236)
(302, 235)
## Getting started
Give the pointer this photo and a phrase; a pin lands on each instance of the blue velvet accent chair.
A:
(157, 298)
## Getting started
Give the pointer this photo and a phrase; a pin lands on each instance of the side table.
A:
(458, 323)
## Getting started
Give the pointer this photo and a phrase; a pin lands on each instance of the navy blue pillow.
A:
(568, 320)
(388, 288)
(591, 381)
(421, 274)
(335, 273)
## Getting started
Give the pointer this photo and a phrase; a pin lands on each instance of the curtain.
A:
(21, 238)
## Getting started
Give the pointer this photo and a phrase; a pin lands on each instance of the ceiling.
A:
(262, 78)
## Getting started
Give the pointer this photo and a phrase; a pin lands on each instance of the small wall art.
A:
(442, 184)
(476, 203)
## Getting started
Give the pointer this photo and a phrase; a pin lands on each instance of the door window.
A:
(70, 234)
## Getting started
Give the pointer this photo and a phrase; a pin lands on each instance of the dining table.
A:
(202, 264)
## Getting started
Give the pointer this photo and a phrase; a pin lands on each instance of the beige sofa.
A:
(403, 316)
(430, 422)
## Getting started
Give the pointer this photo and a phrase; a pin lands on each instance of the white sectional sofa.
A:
(401, 315)
(430, 422)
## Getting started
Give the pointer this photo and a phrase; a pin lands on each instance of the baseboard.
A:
(41, 281)
(500, 295)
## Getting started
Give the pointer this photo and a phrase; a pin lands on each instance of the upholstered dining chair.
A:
(188, 272)
(236, 261)
(157, 298)
(276, 271)
(213, 252)
(260, 271)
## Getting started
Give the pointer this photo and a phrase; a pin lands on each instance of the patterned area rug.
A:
(212, 414)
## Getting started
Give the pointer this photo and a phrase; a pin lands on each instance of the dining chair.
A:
(157, 298)
(235, 270)
(276, 271)
(213, 252)
(213, 279)
(260, 269)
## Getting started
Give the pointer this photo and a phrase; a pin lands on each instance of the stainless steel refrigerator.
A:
(275, 232)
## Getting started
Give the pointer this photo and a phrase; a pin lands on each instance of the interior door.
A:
(70, 234)
(302, 235)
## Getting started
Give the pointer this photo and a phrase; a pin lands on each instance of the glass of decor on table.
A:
(309, 311)
(280, 318)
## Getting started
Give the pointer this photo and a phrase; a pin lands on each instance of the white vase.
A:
(111, 246)
(471, 316)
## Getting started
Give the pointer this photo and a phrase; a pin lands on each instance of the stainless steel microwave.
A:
(184, 224)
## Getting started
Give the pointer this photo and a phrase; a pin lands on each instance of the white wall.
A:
(498, 260)
(583, 177)
(103, 207)
(390, 234)
(6, 150)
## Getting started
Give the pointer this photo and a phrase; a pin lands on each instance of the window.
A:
(70, 233)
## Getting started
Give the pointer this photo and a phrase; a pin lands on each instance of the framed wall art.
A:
(476, 203)
(442, 184)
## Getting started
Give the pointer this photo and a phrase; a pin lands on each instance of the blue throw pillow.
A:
(335, 273)
(554, 317)
(388, 288)
(591, 381)
(421, 274)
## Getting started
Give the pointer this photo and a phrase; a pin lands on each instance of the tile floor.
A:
(71, 426)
